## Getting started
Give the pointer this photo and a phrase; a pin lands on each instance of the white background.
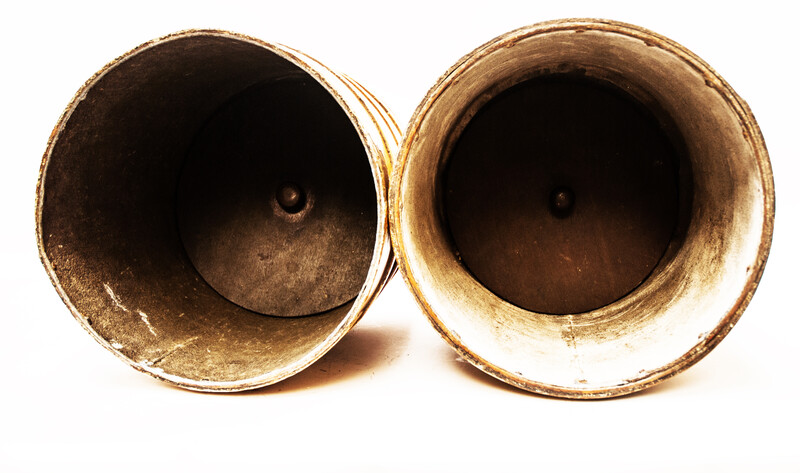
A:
(392, 394)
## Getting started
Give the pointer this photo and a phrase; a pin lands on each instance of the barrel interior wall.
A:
(107, 216)
(712, 249)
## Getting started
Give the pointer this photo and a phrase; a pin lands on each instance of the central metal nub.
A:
(291, 197)
(562, 199)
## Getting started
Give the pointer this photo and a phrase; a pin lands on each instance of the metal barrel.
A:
(582, 208)
(212, 208)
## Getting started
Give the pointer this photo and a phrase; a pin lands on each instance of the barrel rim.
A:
(713, 79)
(380, 157)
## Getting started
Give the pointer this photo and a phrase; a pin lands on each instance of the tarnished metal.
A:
(206, 173)
(582, 208)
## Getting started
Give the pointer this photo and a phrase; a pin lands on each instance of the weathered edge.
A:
(381, 268)
(750, 128)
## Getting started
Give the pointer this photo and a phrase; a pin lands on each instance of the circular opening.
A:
(197, 183)
(561, 194)
(600, 143)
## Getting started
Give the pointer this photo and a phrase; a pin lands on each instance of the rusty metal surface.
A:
(694, 295)
(106, 213)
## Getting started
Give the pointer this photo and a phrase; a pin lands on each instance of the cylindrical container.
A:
(212, 208)
(582, 208)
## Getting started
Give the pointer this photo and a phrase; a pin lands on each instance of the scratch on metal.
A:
(114, 298)
(147, 322)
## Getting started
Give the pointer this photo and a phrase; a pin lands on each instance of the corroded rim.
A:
(379, 135)
(752, 135)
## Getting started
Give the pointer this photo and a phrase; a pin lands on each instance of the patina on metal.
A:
(212, 208)
(582, 208)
